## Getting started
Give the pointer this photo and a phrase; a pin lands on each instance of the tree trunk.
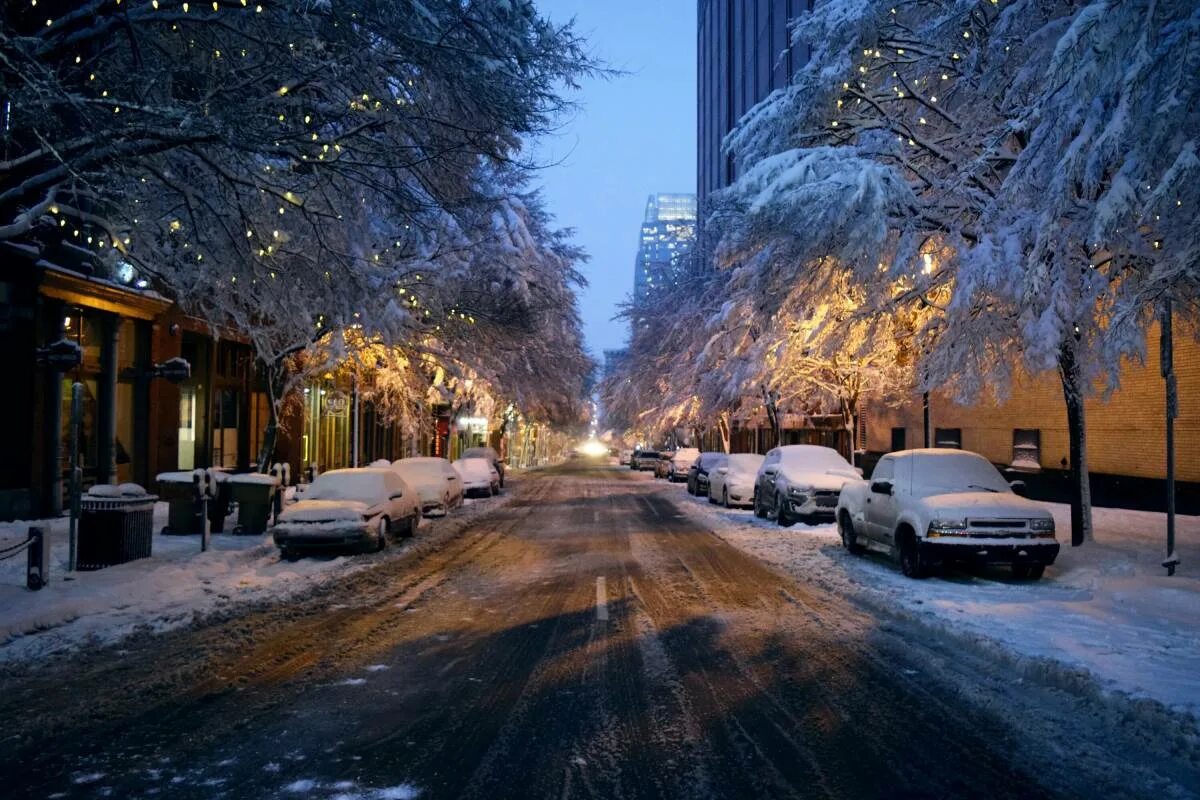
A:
(1081, 494)
(723, 428)
(276, 378)
(772, 415)
(850, 422)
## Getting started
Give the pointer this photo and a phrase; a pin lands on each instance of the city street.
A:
(588, 639)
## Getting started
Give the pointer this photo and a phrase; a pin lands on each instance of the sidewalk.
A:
(175, 586)
(1105, 612)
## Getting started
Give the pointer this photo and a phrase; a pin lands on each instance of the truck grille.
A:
(1010, 524)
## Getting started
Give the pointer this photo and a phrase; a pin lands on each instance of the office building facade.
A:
(667, 236)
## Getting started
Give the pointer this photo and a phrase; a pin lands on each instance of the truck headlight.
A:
(947, 527)
(1044, 527)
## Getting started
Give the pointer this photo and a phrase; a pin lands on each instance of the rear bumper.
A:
(982, 553)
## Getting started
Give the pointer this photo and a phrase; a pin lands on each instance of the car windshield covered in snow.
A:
(363, 485)
(479, 469)
(488, 453)
(744, 463)
(422, 470)
(815, 459)
(955, 471)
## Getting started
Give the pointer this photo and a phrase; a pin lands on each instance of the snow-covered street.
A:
(587, 636)
(1105, 611)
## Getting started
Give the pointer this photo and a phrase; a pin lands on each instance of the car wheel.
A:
(1028, 571)
(385, 526)
(289, 554)
(849, 537)
(725, 497)
(712, 500)
(410, 527)
(911, 562)
(759, 510)
(781, 514)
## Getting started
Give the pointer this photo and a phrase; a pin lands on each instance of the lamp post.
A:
(1167, 367)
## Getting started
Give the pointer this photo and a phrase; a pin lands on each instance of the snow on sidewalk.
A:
(176, 585)
(1105, 610)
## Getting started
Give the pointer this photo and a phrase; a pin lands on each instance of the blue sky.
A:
(634, 135)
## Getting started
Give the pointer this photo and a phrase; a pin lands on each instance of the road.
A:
(587, 640)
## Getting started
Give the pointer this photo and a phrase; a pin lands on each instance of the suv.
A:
(491, 455)
(662, 467)
(681, 462)
(643, 459)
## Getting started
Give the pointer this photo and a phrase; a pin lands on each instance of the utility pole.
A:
(76, 484)
(1166, 363)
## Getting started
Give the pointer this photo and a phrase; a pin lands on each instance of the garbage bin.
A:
(183, 492)
(254, 494)
(220, 501)
(116, 525)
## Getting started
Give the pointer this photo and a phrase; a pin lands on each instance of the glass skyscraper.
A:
(668, 235)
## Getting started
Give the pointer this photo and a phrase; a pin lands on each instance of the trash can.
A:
(254, 494)
(220, 502)
(116, 525)
(184, 493)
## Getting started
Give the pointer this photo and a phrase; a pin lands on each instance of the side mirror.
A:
(1018, 487)
(881, 487)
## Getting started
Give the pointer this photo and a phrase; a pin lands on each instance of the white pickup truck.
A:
(933, 506)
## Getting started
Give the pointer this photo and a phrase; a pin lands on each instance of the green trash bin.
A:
(185, 504)
(254, 494)
(220, 499)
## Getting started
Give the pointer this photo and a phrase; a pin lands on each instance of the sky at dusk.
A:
(634, 135)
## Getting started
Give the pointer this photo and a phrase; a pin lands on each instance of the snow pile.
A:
(349, 790)
(1105, 611)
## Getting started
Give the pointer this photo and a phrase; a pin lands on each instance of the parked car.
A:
(643, 459)
(479, 477)
(928, 507)
(435, 480)
(681, 462)
(623, 458)
(801, 481)
(349, 509)
(697, 475)
(663, 465)
(732, 483)
(491, 455)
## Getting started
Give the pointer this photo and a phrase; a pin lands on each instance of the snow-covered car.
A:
(801, 481)
(697, 474)
(663, 465)
(643, 459)
(492, 457)
(349, 509)
(681, 462)
(479, 477)
(436, 481)
(732, 483)
(928, 507)
(623, 457)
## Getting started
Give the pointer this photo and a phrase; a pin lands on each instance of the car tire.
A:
(725, 497)
(289, 554)
(711, 499)
(410, 528)
(849, 537)
(911, 563)
(759, 510)
(782, 518)
(1028, 571)
(382, 533)
(691, 489)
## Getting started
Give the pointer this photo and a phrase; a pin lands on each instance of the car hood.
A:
(822, 480)
(325, 511)
(983, 504)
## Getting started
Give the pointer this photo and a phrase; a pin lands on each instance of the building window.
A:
(948, 437)
(1027, 448)
(899, 439)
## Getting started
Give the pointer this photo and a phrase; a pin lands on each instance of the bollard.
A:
(37, 559)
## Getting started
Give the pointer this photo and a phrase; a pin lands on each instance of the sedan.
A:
(732, 483)
(479, 477)
(436, 481)
(360, 509)
(697, 476)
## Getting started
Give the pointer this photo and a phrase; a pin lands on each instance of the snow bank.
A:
(1105, 612)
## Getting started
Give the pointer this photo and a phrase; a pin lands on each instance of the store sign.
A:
(337, 403)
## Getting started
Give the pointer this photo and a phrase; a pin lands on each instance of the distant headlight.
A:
(943, 527)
